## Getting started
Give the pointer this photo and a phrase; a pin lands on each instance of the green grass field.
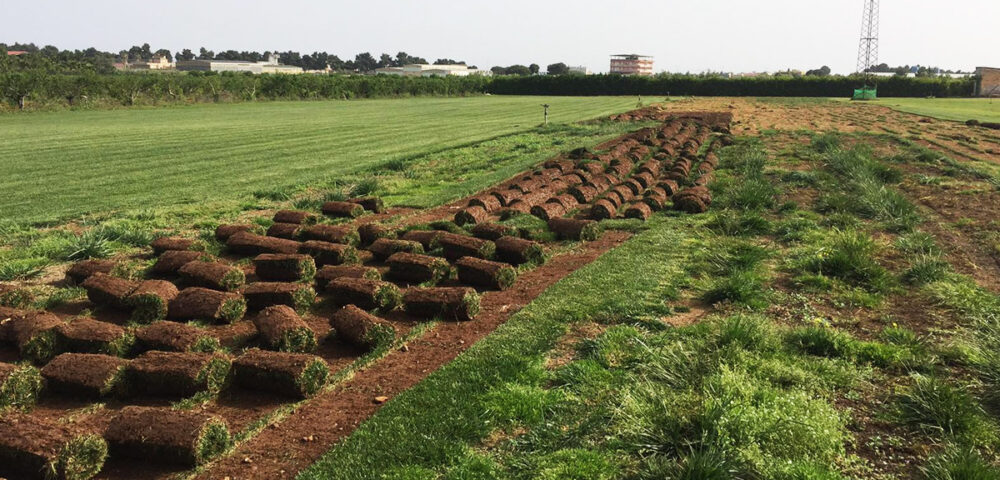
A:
(64, 164)
(958, 109)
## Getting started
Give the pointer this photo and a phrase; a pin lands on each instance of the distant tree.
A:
(498, 70)
(365, 62)
(186, 54)
(165, 53)
(385, 60)
(534, 69)
(448, 61)
(557, 69)
(204, 54)
(823, 71)
(517, 70)
(290, 58)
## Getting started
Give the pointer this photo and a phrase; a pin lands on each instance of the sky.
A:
(682, 35)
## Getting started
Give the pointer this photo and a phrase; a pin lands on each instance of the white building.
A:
(579, 70)
(424, 70)
(271, 65)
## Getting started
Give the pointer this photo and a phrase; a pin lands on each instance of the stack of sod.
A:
(330, 272)
(92, 376)
(174, 337)
(80, 271)
(162, 434)
(634, 186)
(372, 204)
(176, 374)
(693, 200)
(32, 447)
(640, 210)
(19, 386)
(567, 201)
(471, 216)
(507, 197)
(489, 203)
(214, 275)
(366, 294)
(103, 289)
(485, 273)
(150, 299)
(293, 375)
(246, 243)
(361, 329)
(289, 231)
(223, 232)
(455, 246)
(415, 268)
(261, 295)
(384, 248)
(656, 198)
(294, 216)
(603, 209)
(669, 186)
(371, 232)
(34, 335)
(86, 335)
(164, 244)
(344, 234)
(518, 251)
(449, 303)
(342, 209)
(280, 328)
(197, 303)
(573, 229)
(284, 267)
(328, 253)
(584, 193)
(427, 238)
(492, 231)
(548, 211)
(170, 262)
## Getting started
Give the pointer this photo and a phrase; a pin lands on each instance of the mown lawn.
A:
(63, 164)
(958, 109)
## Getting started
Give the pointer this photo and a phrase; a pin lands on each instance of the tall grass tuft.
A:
(931, 405)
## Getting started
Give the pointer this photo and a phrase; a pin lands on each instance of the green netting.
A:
(866, 93)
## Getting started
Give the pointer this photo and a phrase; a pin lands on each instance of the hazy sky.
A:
(683, 35)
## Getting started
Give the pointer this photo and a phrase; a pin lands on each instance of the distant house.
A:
(579, 70)
(271, 65)
(987, 82)
(17, 52)
(158, 62)
(424, 70)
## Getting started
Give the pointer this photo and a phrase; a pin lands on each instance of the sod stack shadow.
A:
(81, 271)
(366, 294)
(19, 386)
(175, 374)
(34, 335)
(174, 337)
(485, 273)
(246, 243)
(164, 244)
(86, 335)
(170, 262)
(455, 246)
(384, 248)
(293, 375)
(87, 375)
(166, 435)
(150, 299)
(196, 303)
(574, 229)
(105, 290)
(342, 209)
(31, 447)
(361, 329)
(214, 275)
(449, 303)
(329, 253)
(415, 268)
(280, 328)
(331, 272)
(261, 295)
(223, 232)
(284, 267)
(518, 251)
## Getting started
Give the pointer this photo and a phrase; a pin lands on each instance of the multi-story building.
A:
(632, 64)
(987, 82)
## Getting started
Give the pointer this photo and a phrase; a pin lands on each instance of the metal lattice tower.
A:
(868, 47)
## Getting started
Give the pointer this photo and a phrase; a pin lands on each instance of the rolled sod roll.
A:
(223, 232)
(150, 299)
(176, 374)
(87, 375)
(172, 261)
(506, 196)
(35, 448)
(86, 335)
(328, 253)
(19, 386)
(485, 273)
(166, 435)
(655, 200)
(625, 192)
(573, 229)
(370, 232)
(384, 248)
(294, 216)
(583, 193)
(288, 374)
(449, 303)
(527, 186)
(288, 231)
(280, 328)
(619, 170)
(563, 165)
(471, 216)
(196, 303)
(593, 168)
(34, 335)
(548, 211)
(567, 201)
(330, 272)
(601, 182)
(489, 203)
(518, 251)
(342, 209)
(246, 243)
(80, 271)
(416, 268)
(214, 275)
(518, 207)
(285, 267)
(174, 337)
(344, 234)
(360, 328)
(668, 186)
(261, 295)
(103, 289)
(163, 244)
(603, 209)
(427, 238)
(456, 246)
(634, 186)
(645, 180)
(372, 204)
(366, 294)
(492, 231)
(640, 210)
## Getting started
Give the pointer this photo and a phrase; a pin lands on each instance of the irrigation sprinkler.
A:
(546, 118)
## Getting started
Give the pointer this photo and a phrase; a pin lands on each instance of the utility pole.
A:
(868, 46)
